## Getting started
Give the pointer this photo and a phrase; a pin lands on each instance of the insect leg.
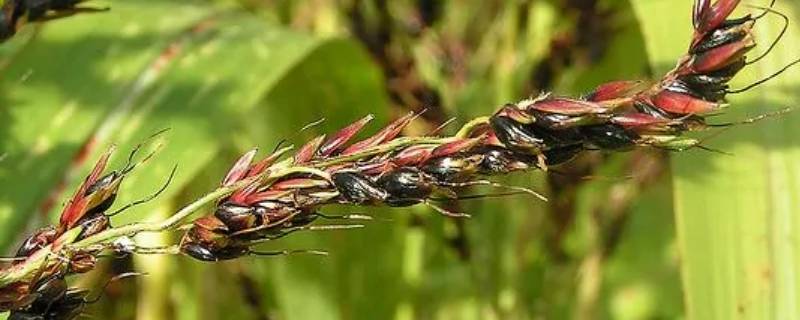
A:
(287, 252)
(775, 42)
(497, 185)
(444, 211)
(148, 198)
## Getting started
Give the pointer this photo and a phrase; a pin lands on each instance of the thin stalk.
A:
(135, 228)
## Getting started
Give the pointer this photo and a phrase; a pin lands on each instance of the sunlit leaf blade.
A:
(738, 216)
(221, 85)
(52, 101)
(202, 73)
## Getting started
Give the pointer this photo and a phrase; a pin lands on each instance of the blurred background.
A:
(636, 235)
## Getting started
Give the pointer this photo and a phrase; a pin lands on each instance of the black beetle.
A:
(406, 186)
(610, 136)
(357, 188)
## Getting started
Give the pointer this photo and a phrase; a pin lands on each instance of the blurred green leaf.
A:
(222, 81)
(737, 216)
(201, 72)
(225, 81)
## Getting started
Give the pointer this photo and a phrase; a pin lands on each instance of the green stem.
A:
(135, 228)
(467, 128)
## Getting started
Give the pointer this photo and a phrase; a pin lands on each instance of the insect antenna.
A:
(109, 281)
(352, 216)
(130, 165)
(770, 6)
(288, 231)
(712, 150)
(303, 129)
(479, 196)
(267, 225)
(775, 42)
(444, 211)
(496, 185)
(148, 198)
(762, 81)
(110, 255)
(698, 144)
(330, 227)
(287, 252)
(593, 176)
(174, 249)
(727, 126)
(441, 127)
(344, 217)
(753, 119)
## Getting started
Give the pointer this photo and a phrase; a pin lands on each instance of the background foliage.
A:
(625, 236)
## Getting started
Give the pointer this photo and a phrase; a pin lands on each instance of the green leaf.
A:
(737, 216)
(199, 71)
(223, 81)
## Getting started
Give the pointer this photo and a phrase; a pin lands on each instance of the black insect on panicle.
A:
(235, 216)
(107, 181)
(712, 86)
(303, 218)
(707, 88)
(406, 186)
(258, 222)
(515, 135)
(52, 299)
(68, 307)
(548, 120)
(561, 155)
(559, 130)
(210, 254)
(498, 160)
(651, 110)
(36, 241)
(357, 188)
(453, 168)
(46, 291)
(730, 31)
(535, 137)
(682, 87)
(93, 224)
(609, 137)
